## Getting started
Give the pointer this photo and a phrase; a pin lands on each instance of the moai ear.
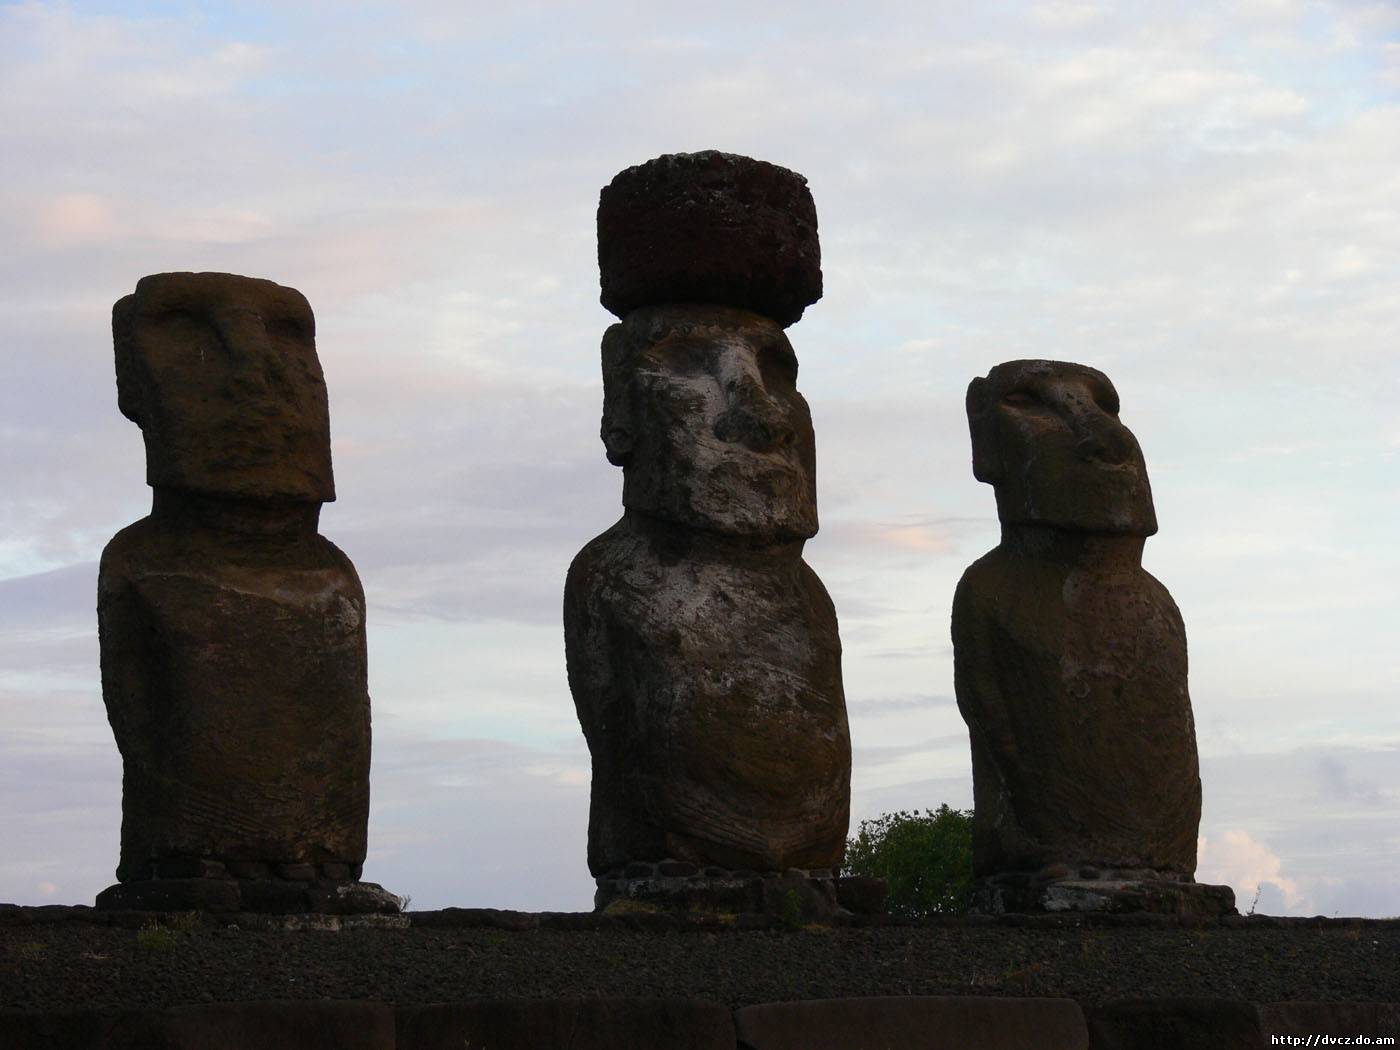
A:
(981, 423)
(617, 425)
(130, 381)
(617, 441)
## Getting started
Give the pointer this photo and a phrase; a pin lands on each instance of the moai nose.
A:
(256, 362)
(1099, 437)
(751, 417)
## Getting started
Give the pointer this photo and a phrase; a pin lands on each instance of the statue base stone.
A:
(795, 895)
(1118, 892)
(270, 896)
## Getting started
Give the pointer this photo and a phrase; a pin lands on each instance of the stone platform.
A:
(266, 895)
(795, 895)
(1094, 890)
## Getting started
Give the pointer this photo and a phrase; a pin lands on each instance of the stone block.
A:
(190, 868)
(274, 896)
(592, 1024)
(862, 894)
(1173, 1024)
(212, 895)
(1329, 1018)
(353, 898)
(914, 1023)
(307, 1025)
(85, 1029)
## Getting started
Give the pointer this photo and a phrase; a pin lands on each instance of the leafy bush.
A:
(925, 857)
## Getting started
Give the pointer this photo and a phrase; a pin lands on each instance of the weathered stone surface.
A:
(268, 896)
(84, 1029)
(273, 897)
(862, 894)
(709, 227)
(1033, 892)
(1070, 659)
(702, 652)
(593, 1024)
(1340, 1019)
(264, 1025)
(352, 898)
(232, 634)
(790, 897)
(1171, 1024)
(220, 373)
(914, 1023)
(213, 895)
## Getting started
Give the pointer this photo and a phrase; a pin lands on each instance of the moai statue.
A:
(702, 651)
(1070, 662)
(232, 634)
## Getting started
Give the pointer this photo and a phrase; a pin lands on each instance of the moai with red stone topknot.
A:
(702, 651)
(232, 634)
(1070, 663)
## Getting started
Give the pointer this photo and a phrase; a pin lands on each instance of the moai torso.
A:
(232, 634)
(234, 674)
(1070, 659)
(703, 653)
(709, 689)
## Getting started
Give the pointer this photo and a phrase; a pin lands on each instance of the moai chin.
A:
(703, 653)
(232, 634)
(1070, 662)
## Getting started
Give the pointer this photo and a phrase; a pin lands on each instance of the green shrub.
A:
(925, 857)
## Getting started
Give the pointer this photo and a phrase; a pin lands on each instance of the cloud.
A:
(1236, 859)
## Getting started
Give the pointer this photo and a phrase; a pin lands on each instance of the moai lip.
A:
(1070, 662)
(709, 227)
(232, 634)
(703, 653)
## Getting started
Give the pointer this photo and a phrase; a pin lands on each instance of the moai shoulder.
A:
(232, 634)
(703, 652)
(1070, 658)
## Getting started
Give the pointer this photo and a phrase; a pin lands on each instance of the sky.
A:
(1201, 200)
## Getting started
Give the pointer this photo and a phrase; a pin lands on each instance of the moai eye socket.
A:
(1018, 398)
(779, 366)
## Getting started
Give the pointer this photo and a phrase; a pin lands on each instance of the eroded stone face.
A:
(1047, 435)
(702, 412)
(221, 374)
(1070, 659)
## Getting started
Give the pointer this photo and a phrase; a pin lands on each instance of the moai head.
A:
(701, 410)
(220, 373)
(1046, 435)
(707, 257)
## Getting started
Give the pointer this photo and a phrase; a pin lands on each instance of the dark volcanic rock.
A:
(703, 653)
(1070, 659)
(709, 227)
(232, 634)
(592, 1024)
(965, 1022)
(1167, 1024)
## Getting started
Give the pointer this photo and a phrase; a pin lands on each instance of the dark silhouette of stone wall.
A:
(1070, 661)
(232, 634)
(703, 652)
